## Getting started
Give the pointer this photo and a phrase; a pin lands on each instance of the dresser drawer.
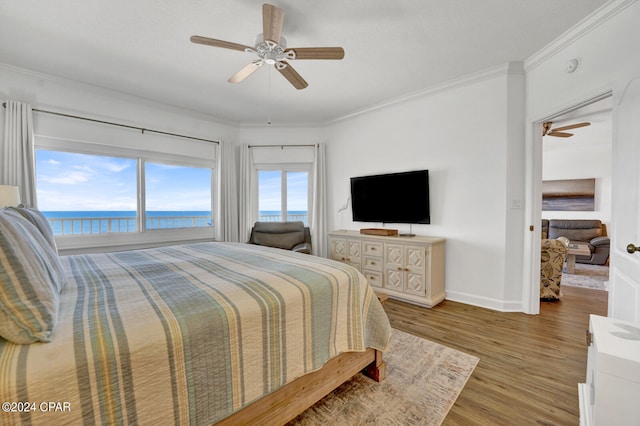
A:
(372, 263)
(373, 278)
(373, 248)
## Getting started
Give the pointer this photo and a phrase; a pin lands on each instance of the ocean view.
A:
(101, 222)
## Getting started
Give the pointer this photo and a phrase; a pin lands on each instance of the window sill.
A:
(101, 243)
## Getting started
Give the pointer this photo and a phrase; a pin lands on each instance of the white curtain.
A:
(245, 194)
(228, 193)
(318, 225)
(18, 165)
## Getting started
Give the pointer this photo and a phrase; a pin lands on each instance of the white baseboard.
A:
(485, 302)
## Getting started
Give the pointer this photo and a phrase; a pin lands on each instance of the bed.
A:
(190, 334)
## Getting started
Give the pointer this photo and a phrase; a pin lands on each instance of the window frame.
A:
(142, 203)
(70, 244)
(283, 168)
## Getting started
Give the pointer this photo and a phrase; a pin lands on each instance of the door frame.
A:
(533, 181)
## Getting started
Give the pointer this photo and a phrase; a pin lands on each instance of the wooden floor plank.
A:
(529, 366)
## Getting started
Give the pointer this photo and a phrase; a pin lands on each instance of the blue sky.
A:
(270, 182)
(80, 182)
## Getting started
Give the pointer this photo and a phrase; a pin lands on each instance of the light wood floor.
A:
(529, 366)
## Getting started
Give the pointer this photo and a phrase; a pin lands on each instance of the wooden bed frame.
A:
(284, 404)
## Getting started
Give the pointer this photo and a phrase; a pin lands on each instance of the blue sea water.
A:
(119, 214)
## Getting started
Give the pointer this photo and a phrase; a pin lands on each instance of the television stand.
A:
(408, 269)
(410, 234)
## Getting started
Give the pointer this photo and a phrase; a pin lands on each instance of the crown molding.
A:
(509, 68)
(579, 30)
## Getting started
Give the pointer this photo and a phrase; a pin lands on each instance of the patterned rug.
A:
(423, 381)
(587, 276)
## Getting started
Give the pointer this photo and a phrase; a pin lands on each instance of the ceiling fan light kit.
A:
(271, 52)
(271, 48)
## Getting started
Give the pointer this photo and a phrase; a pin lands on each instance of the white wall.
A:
(461, 136)
(607, 62)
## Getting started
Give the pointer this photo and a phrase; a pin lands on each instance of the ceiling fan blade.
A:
(559, 134)
(245, 72)
(219, 43)
(571, 126)
(317, 52)
(292, 75)
(272, 20)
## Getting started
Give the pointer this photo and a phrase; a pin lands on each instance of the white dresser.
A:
(611, 394)
(405, 268)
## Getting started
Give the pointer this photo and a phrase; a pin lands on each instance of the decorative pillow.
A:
(36, 217)
(31, 278)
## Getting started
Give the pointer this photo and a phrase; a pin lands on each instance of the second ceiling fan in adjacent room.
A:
(560, 132)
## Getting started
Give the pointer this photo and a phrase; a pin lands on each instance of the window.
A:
(177, 196)
(283, 195)
(86, 194)
(105, 195)
(297, 206)
(270, 195)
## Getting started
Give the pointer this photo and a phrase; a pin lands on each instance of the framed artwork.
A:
(569, 195)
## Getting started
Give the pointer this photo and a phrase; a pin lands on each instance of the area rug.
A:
(587, 276)
(423, 381)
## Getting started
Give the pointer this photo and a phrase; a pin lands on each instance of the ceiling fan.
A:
(271, 49)
(560, 131)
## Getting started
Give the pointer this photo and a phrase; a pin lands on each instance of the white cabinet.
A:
(611, 394)
(346, 250)
(405, 268)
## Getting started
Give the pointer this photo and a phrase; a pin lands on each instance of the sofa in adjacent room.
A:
(591, 232)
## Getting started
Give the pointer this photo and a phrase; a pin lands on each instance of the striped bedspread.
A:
(186, 334)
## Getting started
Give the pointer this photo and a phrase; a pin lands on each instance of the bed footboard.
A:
(281, 406)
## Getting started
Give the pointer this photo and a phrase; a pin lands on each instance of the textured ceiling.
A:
(392, 49)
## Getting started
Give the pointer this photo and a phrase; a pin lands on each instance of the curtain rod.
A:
(283, 146)
(4, 104)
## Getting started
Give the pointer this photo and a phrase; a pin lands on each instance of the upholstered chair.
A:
(552, 257)
(285, 235)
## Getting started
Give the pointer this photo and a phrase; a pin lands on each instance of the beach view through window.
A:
(96, 194)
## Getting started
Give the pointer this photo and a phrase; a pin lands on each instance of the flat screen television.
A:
(391, 198)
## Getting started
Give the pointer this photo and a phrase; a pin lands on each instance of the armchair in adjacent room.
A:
(284, 235)
(552, 256)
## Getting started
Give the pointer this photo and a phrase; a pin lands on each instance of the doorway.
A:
(580, 152)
